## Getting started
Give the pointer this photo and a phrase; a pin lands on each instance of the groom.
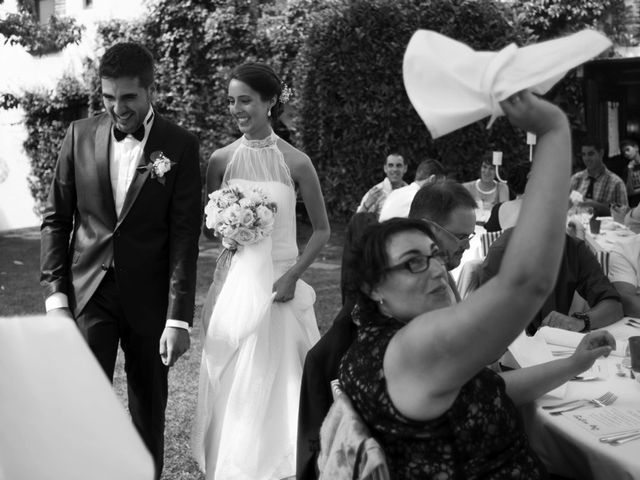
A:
(120, 236)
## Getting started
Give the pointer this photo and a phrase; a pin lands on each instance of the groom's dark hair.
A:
(128, 59)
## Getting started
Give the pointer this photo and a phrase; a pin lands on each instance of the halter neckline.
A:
(262, 143)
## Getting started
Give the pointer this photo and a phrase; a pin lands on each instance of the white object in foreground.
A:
(60, 418)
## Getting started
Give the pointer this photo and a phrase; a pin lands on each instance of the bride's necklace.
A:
(486, 192)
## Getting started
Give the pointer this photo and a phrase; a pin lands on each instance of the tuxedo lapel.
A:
(101, 155)
(153, 143)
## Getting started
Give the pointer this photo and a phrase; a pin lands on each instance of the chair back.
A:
(486, 239)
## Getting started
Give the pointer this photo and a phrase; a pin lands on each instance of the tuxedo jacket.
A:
(152, 245)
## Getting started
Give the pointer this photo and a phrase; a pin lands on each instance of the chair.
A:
(603, 260)
(486, 239)
(345, 436)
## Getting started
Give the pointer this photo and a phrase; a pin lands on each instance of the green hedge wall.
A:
(47, 117)
(354, 108)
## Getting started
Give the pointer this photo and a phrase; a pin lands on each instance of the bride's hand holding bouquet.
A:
(240, 216)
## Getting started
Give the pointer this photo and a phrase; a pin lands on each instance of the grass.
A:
(20, 294)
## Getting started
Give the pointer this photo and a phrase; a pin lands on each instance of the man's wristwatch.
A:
(585, 318)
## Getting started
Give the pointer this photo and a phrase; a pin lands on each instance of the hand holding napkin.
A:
(451, 85)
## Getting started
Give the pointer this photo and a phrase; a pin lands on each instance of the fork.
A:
(581, 400)
(602, 401)
(596, 401)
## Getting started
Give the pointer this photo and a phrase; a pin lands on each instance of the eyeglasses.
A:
(416, 264)
(461, 237)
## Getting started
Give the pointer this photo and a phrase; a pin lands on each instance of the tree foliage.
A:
(22, 28)
(354, 107)
(47, 117)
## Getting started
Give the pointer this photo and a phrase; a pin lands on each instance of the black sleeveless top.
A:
(481, 436)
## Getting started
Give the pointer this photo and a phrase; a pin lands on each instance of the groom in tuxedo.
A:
(120, 236)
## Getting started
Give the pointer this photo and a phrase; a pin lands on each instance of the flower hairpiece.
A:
(287, 93)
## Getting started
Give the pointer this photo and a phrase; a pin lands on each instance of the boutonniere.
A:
(158, 165)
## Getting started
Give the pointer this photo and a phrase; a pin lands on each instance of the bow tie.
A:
(138, 134)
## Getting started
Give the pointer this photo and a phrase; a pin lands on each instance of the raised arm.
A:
(435, 354)
(304, 174)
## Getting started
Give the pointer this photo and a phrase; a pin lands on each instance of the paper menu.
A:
(606, 421)
(565, 338)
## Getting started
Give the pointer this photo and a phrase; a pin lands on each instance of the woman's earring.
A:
(269, 113)
(381, 301)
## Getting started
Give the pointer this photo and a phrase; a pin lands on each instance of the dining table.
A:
(602, 242)
(569, 444)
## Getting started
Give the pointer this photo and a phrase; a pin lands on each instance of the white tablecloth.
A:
(568, 449)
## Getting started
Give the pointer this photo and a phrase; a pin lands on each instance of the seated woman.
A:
(504, 214)
(486, 191)
(416, 371)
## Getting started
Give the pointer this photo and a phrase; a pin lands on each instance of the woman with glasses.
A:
(416, 371)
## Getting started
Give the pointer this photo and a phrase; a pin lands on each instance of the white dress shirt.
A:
(398, 202)
(123, 160)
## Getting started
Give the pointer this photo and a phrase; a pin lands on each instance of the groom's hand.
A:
(173, 343)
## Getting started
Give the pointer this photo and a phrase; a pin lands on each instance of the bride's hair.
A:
(264, 80)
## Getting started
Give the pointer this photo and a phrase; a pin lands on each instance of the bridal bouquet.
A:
(240, 216)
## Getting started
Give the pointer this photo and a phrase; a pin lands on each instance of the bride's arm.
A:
(305, 176)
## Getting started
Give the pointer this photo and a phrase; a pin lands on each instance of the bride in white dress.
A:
(258, 333)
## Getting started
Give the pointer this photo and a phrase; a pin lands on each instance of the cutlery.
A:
(633, 320)
(601, 398)
(617, 436)
(623, 439)
(598, 402)
(632, 325)
(620, 441)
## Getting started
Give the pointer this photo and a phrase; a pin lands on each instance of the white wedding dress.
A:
(254, 349)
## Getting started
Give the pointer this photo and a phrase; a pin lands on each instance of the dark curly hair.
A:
(128, 59)
(264, 80)
(368, 260)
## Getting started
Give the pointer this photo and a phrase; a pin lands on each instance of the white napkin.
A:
(529, 351)
(451, 85)
(60, 418)
(576, 197)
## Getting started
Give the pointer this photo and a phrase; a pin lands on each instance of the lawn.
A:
(20, 294)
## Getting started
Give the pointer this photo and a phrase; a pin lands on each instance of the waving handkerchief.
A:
(451, 85)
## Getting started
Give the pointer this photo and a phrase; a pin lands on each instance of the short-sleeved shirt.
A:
(624, 261)
(579, 272)
(373, 200)
(480, 436)
(607, 187)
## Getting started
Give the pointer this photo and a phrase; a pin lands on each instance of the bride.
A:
(246, 418)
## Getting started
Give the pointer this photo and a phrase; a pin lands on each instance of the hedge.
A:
(354, 107)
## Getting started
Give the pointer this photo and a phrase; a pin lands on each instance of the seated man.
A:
(598, 185)
(398, 202)
(624, 273)
(394, 169)
(579, 272)
(449, 209)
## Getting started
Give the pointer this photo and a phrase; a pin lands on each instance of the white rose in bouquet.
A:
(245, 236)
